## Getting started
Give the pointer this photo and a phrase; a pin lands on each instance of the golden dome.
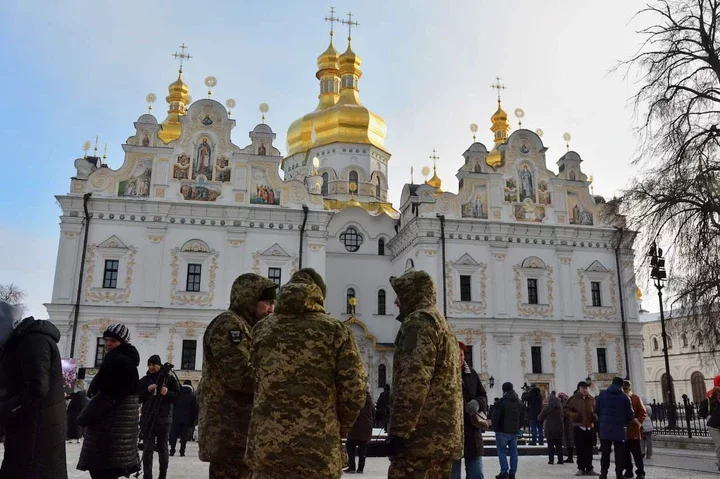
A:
(178, 98)
(345, 119)
(328, 60)
(638, 294)
(435, 181)
(500, 127)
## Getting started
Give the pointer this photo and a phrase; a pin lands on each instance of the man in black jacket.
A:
(185, 415)
(534, 399)
(507, 418)
(157, 435)
(32, 404)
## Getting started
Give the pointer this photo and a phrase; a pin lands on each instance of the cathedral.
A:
(532, 270)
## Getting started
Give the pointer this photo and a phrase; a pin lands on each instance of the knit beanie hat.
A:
(154, 359)
(117, 331)
(316, 278)
(507, 387)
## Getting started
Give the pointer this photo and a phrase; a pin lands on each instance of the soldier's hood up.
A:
(415, 290)
(245, 294)
(300, 295)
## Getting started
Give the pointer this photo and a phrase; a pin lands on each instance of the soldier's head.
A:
(304, 293)
(253, 297)
(154, 363)
(415, 290)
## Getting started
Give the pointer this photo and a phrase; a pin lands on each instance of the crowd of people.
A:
(283, 384)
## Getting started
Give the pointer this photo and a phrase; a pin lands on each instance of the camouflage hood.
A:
(245, 295)
(415, 290)
(300, 295)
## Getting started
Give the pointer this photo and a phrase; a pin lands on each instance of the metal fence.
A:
(687, 420)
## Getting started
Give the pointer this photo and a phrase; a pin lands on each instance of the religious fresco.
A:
(577, 213)
(261, 150)
(199, 191)
(510, 190)
(138, 185)
(181, 170)
(528, 211)
(222, 169)
(203, 163)
(544, 194)
(527, 184)
(261, 193)
(477, 206)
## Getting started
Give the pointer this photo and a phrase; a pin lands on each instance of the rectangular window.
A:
(189, 348)
(465, 288)
(193, 277)
(275, 274)
(536, 353)
(602, 360)
(99, 351)
(111, 273)
(595, 291)
(532, 291)
(468, 355)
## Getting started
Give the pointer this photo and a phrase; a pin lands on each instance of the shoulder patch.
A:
(409, 341)
(235, 336)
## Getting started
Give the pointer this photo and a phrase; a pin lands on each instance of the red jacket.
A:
(634, 430)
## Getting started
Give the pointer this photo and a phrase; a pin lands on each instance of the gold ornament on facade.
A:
(539, 132)
(210, 82)
(101, 295)
(435, 181)
(86, 147)
(525, 309)
(537, 337)
(264, 108)
(197, 299)
(598, 312)
(519, 114)
(464, 307)
(150, 98)
(230, 104)
(566, 138)
(473, 130)
(178, 99)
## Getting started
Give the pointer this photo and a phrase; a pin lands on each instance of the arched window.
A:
(353, 178)
(409, 264)
(378, 187)
(326, 181)
(381, 310)
(656, 346)
(381, 246)
(684, 341)
(350, 295)
(382, 376)
(697, 382)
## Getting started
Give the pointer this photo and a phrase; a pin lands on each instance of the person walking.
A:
(309, 386)
(185, 413)
(382, 408)
(156, 436)
(647, 430)
(710, 412)
(426, 412)
(474, 402)
(634, 434)
(508, 416)
(614, 413)
(78, 400)
(580, 409)
(225, 394)
(552, 418)
(568, 429)
(32, 404)
(534, 399)
(360, 436)
(110, 447)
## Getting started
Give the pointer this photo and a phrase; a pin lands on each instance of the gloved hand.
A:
(394, 445)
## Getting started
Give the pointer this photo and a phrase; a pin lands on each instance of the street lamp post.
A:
(659, 276)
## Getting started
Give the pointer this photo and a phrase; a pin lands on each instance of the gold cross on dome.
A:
(349, 22)
(434, 157)
(498, 86)
(332, 19)
(182, 56)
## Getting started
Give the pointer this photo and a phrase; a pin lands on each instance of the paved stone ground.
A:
(666, 464)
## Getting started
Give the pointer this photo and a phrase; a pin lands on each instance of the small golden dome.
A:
(435, 181)
(494, 158)
(178, 90)
(178, 99)
(328, 60)
(500, 125)
(349, 58)
(639, 294)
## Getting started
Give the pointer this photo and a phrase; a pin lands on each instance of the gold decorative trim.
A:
(544, 310)
(235, 242)
(99, 295)
(463, 307)
(71, 234)
(537, 337)
(603, 338)
(598, 312)
(469, 334)
(155, 238)
(171, 345)
(197, 299)
(368, 335)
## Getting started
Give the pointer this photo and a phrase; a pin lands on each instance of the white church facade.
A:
(525, 259)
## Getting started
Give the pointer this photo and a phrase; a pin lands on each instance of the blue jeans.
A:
(473, 468)
(503, 441)
(535, 428)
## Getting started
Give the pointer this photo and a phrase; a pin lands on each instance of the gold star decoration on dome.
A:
(332, 19)
(182, 56)
(349, 22)
(86, 147)
(567, 137)
(473, 130)
(498, 86)
(264, 108)
(150, 98)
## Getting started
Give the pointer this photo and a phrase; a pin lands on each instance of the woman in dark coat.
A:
(553, 416)
(32, 406)
(78, 399)
(360, 435)
(474, 400)
(110, 448)
(568, 430)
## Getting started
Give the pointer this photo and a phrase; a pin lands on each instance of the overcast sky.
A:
(80, 68)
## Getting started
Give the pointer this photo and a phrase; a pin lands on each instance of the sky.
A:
(80, 68)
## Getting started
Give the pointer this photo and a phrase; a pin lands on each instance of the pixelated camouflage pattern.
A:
(309, 387)
(400, 469)
(226, 392)
(229, 470)
(426, 400)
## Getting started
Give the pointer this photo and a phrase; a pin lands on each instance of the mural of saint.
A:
(575, 219)
(145, 141)
(527, 187)
(139, 184)
(203, 159)
(261, 150)
(260, 192)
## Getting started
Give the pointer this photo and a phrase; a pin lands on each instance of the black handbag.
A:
(94, 410)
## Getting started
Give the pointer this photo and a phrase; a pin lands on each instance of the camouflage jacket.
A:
(309, 386)
(226, 393)
(426, 401)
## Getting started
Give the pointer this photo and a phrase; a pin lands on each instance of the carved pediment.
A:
(597, 267)
(467, 260)
(113, 242)
(275, 250)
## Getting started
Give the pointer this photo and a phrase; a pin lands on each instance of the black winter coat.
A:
(165, 412)
(553, 418)
(32, 407)
(78, 400)
(111, 443)
(473, 389)
(363, 427)
(534, 400)
(508, 414)
(186, 407)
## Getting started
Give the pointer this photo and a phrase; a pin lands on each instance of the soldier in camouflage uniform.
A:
(309, 386)
(226, 396)
(426, 411)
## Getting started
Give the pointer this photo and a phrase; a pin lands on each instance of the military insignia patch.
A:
(409, 342)
(235, 336)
